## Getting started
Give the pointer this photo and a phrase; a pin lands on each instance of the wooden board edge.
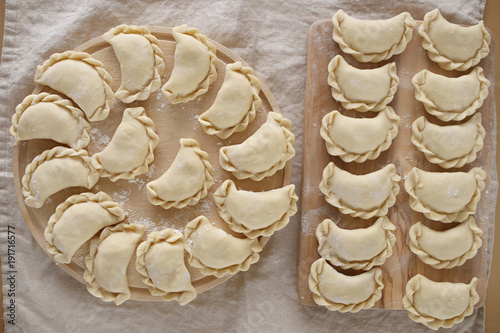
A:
(302, 272)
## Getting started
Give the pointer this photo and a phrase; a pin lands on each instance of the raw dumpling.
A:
(359, 139)
(130, 150)
(46, 116)
(451, 98)
(195, 66)
(81, 78)
(160, 262)
(107, 262)
(357, 248)
(186, 181)
(372, 40)
(236, 102)
(141, 61)
(450, 146)
(446, 249)
(216, 252)
(54, 170)
(445, 196)
(78, 219)
(255, 213)
(439, 304)
(263, 153)
(452, 46)
(339, 292)
(362, 89)
(361, 196)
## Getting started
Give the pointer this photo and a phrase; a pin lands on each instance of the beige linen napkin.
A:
(272, 37)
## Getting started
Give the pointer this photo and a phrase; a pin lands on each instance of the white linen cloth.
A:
(271, 36)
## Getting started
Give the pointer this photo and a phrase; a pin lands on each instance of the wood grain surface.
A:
(493, 292)
(172, 122)
(403, 264)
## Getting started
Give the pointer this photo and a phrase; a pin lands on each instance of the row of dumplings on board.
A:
(449, 146)
(358, 140)
(96, 217)
(450, 45)
(440, 196)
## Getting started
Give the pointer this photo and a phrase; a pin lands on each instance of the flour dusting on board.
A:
(121, 196)
(99, 139)
(405, 77)
(312, 218)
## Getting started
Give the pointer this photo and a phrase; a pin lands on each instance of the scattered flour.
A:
(312, 218)
(99, 139)
(140, 183)
(121, 196)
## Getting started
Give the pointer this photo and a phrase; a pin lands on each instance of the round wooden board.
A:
(172, 122)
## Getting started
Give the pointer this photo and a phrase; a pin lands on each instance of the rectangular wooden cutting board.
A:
(403, 264)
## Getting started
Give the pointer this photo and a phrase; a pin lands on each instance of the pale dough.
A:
(107, 262)
(362, 89)
(360, 248)
(160, 262)
(195, 66)
(215, 252)
(81, 78)
(451, 98)
(344, 293)
(141, 61)
(451, 46)
(263, 153)
(255, 213)
(372, 40)
(78, 219)
(445, 196)
(359, 139)
(130, 150)
(46, 116)
(450, 146)
(54, 170)
(446, 249)
(236, 102)
(363, 196)
(186, 181)
(439, 304)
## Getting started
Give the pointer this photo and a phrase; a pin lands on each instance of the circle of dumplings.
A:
(173, 116)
